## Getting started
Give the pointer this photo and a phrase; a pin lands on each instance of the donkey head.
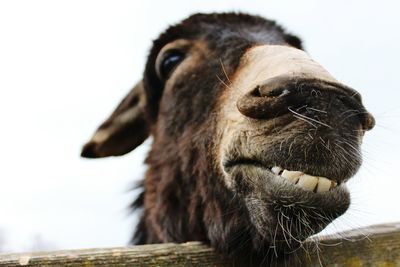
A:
(253, 141)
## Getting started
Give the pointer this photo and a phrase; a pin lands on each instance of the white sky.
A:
(64, 65)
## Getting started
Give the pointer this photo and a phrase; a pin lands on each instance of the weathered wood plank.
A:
(187, 254)
(377, 245)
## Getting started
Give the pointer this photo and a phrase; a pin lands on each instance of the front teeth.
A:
(305, 181)
(276, 170)
(292, 176)
(308, 182)
(324, 184)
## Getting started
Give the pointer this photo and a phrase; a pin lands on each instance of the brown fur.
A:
(186, 194)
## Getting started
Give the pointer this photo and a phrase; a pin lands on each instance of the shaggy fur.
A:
(184, 194)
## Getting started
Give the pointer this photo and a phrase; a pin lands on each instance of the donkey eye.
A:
(169, 62)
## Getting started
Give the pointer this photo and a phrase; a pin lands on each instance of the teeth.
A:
(276, 169)
(292, 176)
(324, 184)
(308, 182)
(305, 181)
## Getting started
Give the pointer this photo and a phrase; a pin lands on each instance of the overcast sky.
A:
(64, 65)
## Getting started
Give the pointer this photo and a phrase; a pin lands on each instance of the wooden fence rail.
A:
(377, 245)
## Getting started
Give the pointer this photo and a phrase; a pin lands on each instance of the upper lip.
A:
(242, 161)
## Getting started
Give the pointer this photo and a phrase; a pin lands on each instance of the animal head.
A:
(253, 141)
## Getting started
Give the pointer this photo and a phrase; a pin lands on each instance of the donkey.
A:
(253, 141)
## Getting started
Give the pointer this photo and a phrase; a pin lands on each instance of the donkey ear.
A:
(123, 131)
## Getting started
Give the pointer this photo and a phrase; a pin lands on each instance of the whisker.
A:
(308, 118)
(303, 119)
(317, 110)
(222, 81)
(223, 69)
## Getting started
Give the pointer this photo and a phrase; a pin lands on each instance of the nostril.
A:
(369, 122)
(355, 105)
(275, 87)
(278, 92)
(256, 92)
(258, 105)
(265, 91)
(269, 99)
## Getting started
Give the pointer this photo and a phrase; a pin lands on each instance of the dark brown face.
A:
(242, 119)
(290, 139)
